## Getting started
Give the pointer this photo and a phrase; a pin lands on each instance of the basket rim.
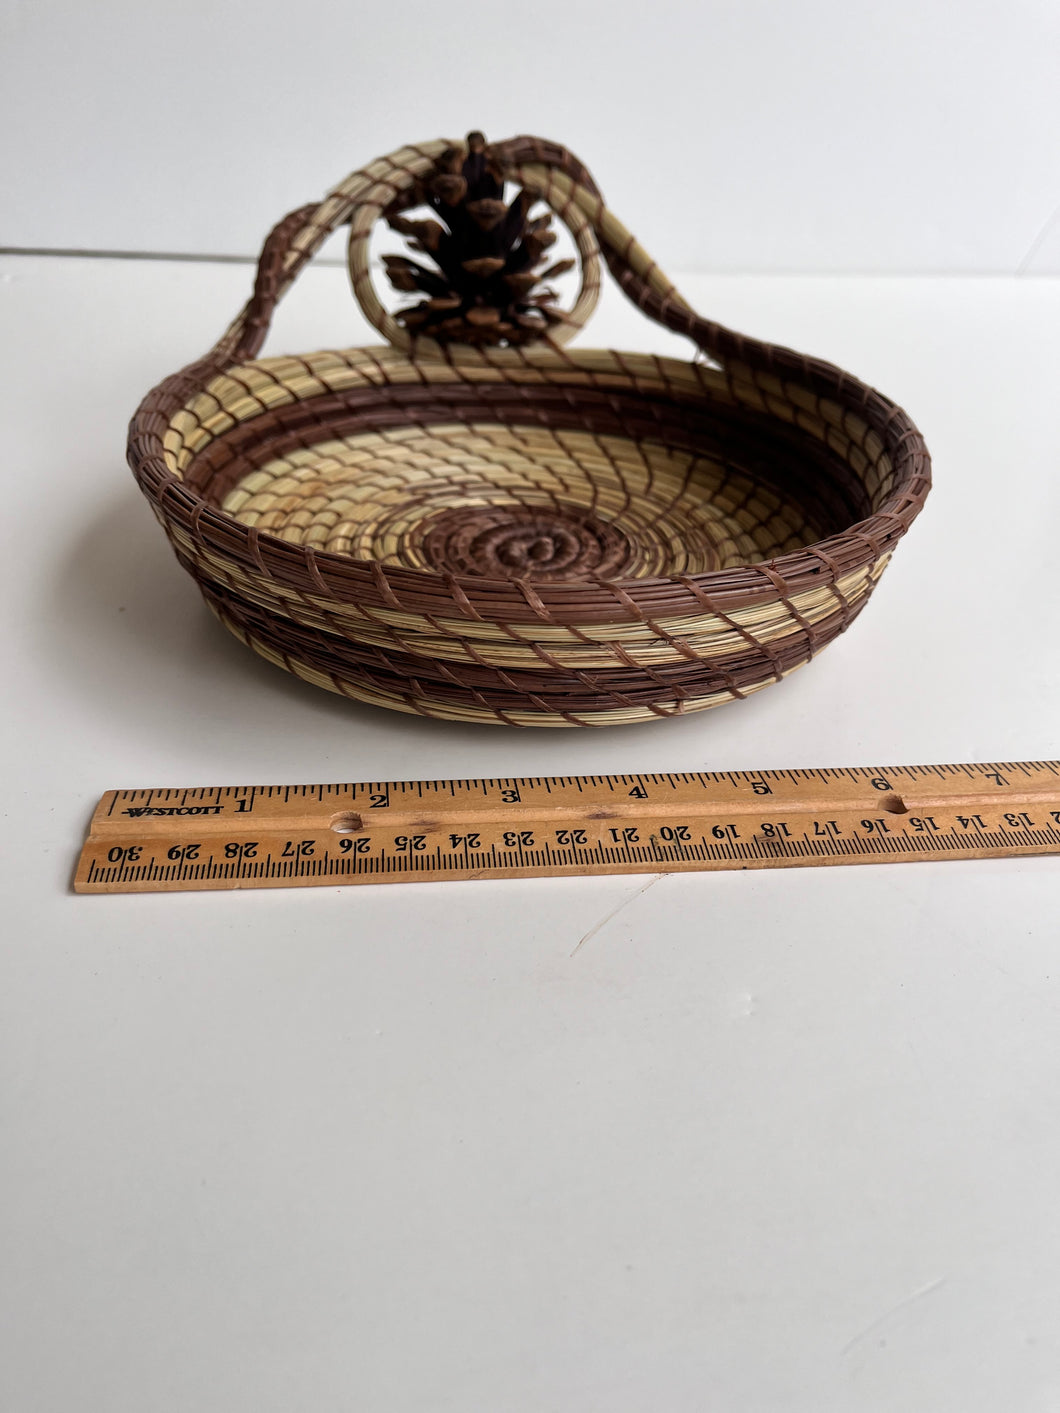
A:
(863, 542)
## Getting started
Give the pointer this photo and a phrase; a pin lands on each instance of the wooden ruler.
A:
(296, 836)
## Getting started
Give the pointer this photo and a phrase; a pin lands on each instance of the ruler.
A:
(401, 831)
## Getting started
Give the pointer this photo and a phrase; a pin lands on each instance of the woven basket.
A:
(526, 535)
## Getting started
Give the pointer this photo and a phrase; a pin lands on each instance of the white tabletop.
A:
(769, 1141)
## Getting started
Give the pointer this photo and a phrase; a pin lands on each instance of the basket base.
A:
(520, 502)
(540, 543)
(368, 688)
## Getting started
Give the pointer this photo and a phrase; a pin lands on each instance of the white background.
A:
(825, 135)
(777, 1142)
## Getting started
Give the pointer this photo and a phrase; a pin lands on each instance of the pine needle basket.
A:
(476, 523)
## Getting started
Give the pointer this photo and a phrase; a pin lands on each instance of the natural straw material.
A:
(526, 535)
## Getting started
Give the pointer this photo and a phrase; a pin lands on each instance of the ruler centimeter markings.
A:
(406, 831)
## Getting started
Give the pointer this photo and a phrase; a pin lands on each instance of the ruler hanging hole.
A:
(347, 823)
(894, 804)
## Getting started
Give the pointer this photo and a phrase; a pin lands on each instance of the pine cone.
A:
(486, 288)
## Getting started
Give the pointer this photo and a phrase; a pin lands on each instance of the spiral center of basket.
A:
(525, 542)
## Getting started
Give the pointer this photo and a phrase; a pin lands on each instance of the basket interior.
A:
(636, 468)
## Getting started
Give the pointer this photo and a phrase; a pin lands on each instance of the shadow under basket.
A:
(475, 523)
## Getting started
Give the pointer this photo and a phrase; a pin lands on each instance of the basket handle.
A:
(549, 169)
(293, 242)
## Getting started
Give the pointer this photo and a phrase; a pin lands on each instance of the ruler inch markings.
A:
(168, 839)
